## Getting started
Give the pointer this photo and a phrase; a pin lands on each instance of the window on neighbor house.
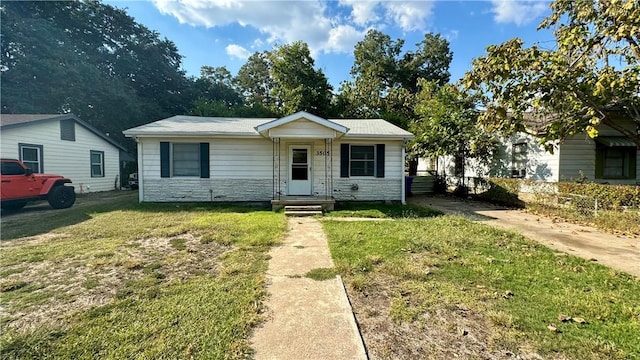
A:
(186, 159)
(362, 160)
(519, 160)
(31, 155)
(68, 130)
(97, 163)
(458, 168)
(615, 159)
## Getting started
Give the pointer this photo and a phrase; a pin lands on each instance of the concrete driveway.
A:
(616, 251)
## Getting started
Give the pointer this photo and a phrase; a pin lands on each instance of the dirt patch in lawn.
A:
(51, 292)
(445, 332)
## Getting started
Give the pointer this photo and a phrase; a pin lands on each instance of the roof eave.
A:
(198, 134)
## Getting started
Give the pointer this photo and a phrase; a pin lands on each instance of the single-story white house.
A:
(300, 156)
(63, 145)
(609, 158)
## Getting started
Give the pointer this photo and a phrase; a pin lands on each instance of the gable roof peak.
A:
(300, 115)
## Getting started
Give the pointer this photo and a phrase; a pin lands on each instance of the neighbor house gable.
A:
(10, 121)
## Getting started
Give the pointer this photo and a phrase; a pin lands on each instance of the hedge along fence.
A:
(597, 196)
(502, 190)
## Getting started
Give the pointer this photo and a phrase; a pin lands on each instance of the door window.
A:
(299, 164)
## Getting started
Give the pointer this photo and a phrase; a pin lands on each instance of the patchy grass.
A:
(380, 210)
(445, 286)
(619, 222)
(136, 281)
(321, 274)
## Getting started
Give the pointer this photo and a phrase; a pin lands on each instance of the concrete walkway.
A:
(307, 319)
(616, 251)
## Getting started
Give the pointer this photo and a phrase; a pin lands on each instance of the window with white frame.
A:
(519, 160)
(362, 160)
(97, 163)
(186, 159)
(31, 155)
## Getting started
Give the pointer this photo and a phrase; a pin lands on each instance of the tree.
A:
(385, 81)
(90, 59)
(592, 74)
(447, 124)
(255, 81)
(297, 85)
(216, 84)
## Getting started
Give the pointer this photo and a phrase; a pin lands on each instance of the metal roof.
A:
(193, 126)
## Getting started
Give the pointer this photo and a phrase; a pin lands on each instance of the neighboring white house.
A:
(63, 145)
(300, 156)
(609, 158)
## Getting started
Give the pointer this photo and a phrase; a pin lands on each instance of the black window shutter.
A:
(164, 160)
(344, 160)
(204, 160)
(380, 160)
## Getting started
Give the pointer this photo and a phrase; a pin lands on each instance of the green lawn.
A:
(124, 280)
(515, 288)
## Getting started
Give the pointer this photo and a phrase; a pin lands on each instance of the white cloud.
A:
(289, 21)
(451, 35)
(410, 16)
(363, 12)
(343, 38)
(519, 12)
(237, 51)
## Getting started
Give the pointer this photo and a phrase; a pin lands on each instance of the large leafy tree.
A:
(588, 79)
(385, 80)
(447, 124)
(255, 81)
(90, 59)
(297, 84)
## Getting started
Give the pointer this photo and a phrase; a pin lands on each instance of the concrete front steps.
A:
(303, 210)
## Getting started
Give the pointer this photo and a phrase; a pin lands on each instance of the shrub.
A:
(610, 197)
(503, 191)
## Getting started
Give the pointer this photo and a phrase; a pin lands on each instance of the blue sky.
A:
(226, 32)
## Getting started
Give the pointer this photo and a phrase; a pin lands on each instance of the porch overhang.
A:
(318, 128)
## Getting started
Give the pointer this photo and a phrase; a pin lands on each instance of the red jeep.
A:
(19, 185)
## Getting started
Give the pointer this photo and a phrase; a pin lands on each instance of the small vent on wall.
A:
(68, 130)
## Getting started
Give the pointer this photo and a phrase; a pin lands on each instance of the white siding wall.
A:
(302, 129)
(577, 154)
(369, 188)
(541, 165)
(242, 170)
(68, 158)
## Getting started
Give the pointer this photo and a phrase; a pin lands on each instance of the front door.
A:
(299, 170)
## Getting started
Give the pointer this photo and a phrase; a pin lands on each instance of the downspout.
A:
(402, 181)
(140, 174)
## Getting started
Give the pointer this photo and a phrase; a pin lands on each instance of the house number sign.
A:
(322, 153)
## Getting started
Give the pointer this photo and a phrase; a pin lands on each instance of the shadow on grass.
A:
(40, 218)
(380, 210)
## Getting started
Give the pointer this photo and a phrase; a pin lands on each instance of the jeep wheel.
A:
(61, 197)
(14, 205)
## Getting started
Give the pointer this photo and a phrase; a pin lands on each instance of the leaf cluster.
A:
(556, 93)
(447, 124)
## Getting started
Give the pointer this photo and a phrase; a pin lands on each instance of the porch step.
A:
(303, 210)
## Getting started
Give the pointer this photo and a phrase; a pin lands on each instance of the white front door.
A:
(299, 170)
